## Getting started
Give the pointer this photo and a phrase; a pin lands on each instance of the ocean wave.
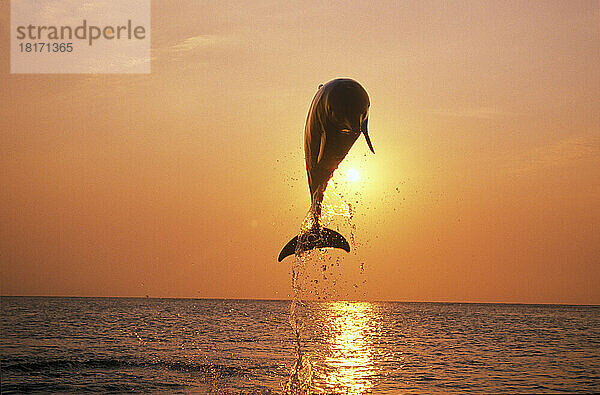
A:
(108, 364)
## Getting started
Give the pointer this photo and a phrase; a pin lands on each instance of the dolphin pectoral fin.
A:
(369, 142)
(321, 148)
(316, 238)
(364, 128)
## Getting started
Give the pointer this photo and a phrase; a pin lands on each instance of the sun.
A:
(353, 175)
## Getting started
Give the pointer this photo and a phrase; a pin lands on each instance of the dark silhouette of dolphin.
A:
(338, 114)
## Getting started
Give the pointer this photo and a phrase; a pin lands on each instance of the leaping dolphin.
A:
(338, 114)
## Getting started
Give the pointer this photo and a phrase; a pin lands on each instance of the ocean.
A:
(145, 345)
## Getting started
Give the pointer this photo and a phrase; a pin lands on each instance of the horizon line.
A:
(304, 300)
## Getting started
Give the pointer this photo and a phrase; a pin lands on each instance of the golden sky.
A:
(188, 181)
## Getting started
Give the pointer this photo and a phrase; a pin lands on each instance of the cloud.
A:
(473, 112)
(201, 41)
(560, 154)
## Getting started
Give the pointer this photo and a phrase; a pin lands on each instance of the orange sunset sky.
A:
(186, 182)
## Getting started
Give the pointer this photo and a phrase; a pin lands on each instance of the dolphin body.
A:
(338, 114)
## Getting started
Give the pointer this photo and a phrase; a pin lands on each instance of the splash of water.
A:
(336, 206)
(300, 380)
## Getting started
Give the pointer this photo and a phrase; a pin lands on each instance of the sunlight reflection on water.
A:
(348, 360)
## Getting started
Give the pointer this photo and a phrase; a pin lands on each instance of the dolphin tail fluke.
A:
(315, 238)
(288, 249)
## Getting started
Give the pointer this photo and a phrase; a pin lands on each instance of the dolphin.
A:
(338, 114)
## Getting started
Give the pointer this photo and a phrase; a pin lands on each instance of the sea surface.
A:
(74, 345)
